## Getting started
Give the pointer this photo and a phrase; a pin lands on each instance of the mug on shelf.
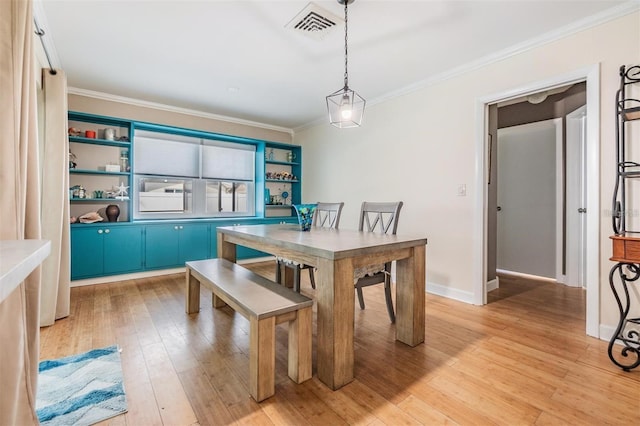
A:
(109, 134)
(90, 134)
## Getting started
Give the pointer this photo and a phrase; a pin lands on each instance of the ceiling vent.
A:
(314, 22)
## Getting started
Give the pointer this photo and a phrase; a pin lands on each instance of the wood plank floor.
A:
(523, 359)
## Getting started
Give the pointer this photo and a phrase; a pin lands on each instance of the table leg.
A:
(226, 250)
(192, 296)
(410, 298)
(335, 300)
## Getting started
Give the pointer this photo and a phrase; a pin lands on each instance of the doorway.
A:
(590, 75)
(529, 199)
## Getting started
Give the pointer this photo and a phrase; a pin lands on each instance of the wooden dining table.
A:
(336, 253)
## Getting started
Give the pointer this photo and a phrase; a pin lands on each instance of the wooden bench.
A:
(265, 304)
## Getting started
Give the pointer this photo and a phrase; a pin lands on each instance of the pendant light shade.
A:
(345, 106)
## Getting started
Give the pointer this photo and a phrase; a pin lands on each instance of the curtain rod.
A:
(40, 33)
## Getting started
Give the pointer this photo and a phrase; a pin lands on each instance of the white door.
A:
(576, 198)
(527, 199)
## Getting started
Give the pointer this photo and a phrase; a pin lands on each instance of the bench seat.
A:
(264, 303)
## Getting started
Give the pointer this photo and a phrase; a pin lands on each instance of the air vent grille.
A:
(314, 21)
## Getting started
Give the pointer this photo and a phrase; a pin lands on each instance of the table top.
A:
(18, 258)
(323, 242)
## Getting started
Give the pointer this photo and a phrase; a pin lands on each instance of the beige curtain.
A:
(20, 211)
(55, 199)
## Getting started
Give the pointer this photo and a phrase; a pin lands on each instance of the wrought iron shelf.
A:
(631, 114)
(628, 330)
(624, 346)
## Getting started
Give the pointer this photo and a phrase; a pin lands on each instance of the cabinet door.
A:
(194, 242)
(162, 246)
(87, 252)
(122, 249)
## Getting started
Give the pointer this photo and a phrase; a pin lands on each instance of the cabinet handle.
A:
(175, 227)
(181, 227)
(99, 231)
(106, 231)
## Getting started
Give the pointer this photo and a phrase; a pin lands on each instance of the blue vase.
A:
(305, 215)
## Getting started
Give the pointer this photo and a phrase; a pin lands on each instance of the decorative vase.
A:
(113, 211)
(305, 215)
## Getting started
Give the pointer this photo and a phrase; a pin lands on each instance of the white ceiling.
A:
(238, 59)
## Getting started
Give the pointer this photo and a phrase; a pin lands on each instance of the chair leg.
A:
(387, 296)
(312, 278)
(296, 278)
(278, 272)
(360, 296)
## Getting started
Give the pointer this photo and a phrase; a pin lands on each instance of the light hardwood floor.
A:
(523, 359)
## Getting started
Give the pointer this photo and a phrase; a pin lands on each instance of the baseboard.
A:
(607, 332)
(450, 293)
(494, 284)
(125, 277)
(523, 275)
(149, 274)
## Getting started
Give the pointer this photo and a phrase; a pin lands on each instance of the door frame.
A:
(590, 74)
(576, 223)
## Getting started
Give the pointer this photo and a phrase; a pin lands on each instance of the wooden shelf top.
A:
(626, 248)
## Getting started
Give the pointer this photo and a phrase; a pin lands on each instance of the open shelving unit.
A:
(94, 155)
(282, 180)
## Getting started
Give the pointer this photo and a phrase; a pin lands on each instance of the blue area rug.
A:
(81, 389)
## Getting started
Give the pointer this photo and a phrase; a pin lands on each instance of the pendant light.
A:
(345, 106)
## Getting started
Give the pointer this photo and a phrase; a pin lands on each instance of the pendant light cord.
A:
(346, 56)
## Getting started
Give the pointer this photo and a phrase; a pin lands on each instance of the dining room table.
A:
(336, 253)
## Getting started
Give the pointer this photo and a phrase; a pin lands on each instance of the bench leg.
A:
(216, 302)
(192, 296)
(262, 358)
(300, 346)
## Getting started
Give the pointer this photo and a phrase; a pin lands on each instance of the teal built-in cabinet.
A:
(102, 151)
(171, 245)
(105, 250)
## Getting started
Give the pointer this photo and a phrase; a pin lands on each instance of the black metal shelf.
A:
(631, 114)
(626, 354)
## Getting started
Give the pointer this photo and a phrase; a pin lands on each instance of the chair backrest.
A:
(327, 215)
(380, 217)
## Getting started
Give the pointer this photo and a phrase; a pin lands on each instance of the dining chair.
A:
(381, 218)
(326, 215)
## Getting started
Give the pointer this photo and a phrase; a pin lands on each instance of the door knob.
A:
(582, 210)
(499, 208)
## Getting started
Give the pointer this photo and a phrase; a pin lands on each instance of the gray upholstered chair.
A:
(326, 215)
(381, 218)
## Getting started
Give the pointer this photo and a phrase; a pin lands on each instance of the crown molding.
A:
(174, 109)
(586, 23)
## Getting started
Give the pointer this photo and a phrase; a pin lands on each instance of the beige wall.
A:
(419, 147)
(115, 108)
